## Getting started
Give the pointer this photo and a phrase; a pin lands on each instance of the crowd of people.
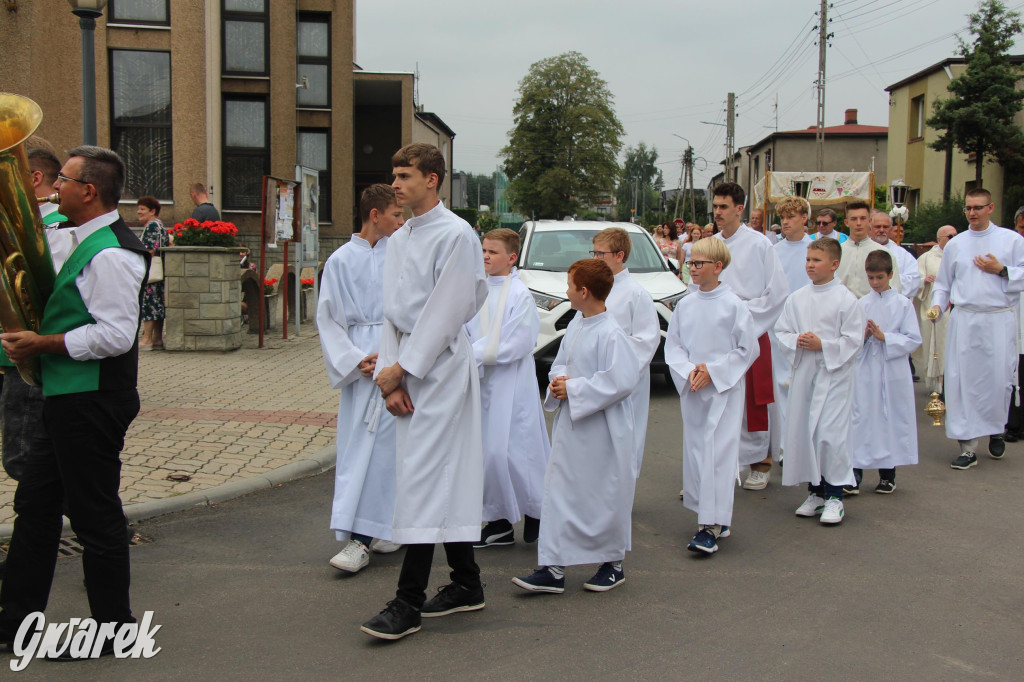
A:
(795, 350)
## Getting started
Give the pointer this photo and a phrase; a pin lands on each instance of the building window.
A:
(313, 147)
(140, 126)
(917, 118)
(246, 43)
(246, 157)
(140, 12)
(313, 52)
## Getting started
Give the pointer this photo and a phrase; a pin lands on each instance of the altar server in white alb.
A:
(883, 434)
(633, 308)
(590, 481)
(516, 446)
(931, 354)
(434, 284)
(792, 253)
(756, 276)
(982, 275)
(822, 330)
(709, 347)
(349, 316)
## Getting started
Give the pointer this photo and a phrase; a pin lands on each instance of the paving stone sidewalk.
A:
(221, 417)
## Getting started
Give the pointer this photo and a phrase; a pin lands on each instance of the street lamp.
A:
(898, 191)
(87, 11)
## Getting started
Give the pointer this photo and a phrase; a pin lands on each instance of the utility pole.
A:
(689, 172)
(823, 36)
(730, 134)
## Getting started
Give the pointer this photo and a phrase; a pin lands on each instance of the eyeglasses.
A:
(602, 254)
(823, 222)
(968, 209)
(67, 178)
(697, 264)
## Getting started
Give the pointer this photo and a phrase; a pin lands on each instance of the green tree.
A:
(640, 181)
(978, 117)
(562, 151)
(479, 186)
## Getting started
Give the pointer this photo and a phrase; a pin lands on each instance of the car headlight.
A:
(671, 301)
(545, 301)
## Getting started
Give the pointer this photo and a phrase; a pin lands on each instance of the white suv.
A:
(551, 246)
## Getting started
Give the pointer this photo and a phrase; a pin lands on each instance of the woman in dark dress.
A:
(154, 237)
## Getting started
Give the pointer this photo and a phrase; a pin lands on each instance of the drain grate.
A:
(71, 547)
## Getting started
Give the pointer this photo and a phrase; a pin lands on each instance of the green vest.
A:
(53, 218)
(66, 311)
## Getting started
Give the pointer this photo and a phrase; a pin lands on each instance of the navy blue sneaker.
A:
(704, 541)
(606, 578)
(541, 580)
(725, 532)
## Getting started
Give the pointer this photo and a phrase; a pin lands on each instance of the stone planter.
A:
(203, 297)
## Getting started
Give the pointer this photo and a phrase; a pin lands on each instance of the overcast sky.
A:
(669, 64)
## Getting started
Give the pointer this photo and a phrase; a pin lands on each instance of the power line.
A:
(784, 56)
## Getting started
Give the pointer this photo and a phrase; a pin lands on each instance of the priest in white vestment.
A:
(982, 275)
(931, 353)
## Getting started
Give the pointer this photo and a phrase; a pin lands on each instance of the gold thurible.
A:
(936, 409)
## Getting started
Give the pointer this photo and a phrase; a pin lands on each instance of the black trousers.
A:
(415, 575)
(75, 463)
(1015, 419)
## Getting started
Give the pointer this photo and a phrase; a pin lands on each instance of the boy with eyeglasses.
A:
(710, 345)
(633, 308)
(982, 275)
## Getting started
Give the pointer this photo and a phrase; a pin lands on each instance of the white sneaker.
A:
(833, 512)
(353, 558)
(681, 494)
(384, 546)
(757, 480)
(812, 506)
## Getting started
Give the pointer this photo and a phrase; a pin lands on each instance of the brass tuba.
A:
(26, 269)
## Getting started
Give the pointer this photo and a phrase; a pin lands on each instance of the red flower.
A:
(270, 282)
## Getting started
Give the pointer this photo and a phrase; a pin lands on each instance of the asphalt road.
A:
(922, 584)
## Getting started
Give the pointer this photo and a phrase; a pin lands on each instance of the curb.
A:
(319, 462)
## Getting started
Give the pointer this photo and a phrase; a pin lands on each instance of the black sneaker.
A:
(1012, 436)
(605, 579)
(851, 490)
(996, 447)
(965, 461)
(397, 620)
(531, 529)
(452, 598)
(541, 580)
(496, 534)
(885, 486)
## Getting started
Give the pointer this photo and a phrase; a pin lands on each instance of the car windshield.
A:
(556, 250)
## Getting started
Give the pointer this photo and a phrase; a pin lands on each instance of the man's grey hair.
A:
(876, 212)
(1018, 214)
(103, 169)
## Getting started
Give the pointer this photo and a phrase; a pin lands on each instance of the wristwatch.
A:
(1004, 273)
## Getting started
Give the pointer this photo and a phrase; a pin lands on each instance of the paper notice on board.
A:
(285, 211)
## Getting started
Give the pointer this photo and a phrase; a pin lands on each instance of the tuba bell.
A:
(26, 269)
